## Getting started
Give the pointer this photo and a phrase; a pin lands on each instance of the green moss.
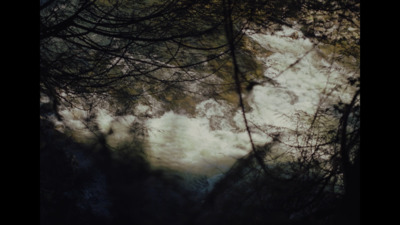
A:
(348, 54)
(231, 97)
(178, 101)
(253, 48)
(188, 103)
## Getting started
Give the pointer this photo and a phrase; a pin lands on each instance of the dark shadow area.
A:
(60, 184)
(248, 195)
(91, 184)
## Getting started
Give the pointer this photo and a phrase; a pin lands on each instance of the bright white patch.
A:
(73, 118)
(44, 99)
(304, 78)
(282, 42)
(104, 120)
(141, 109)
(188, 144)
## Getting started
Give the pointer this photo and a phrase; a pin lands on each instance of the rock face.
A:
(295, 35)
(334, 25)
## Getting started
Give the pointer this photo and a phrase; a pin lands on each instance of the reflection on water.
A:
(205, 146)
(209, 143)
(189, 144)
